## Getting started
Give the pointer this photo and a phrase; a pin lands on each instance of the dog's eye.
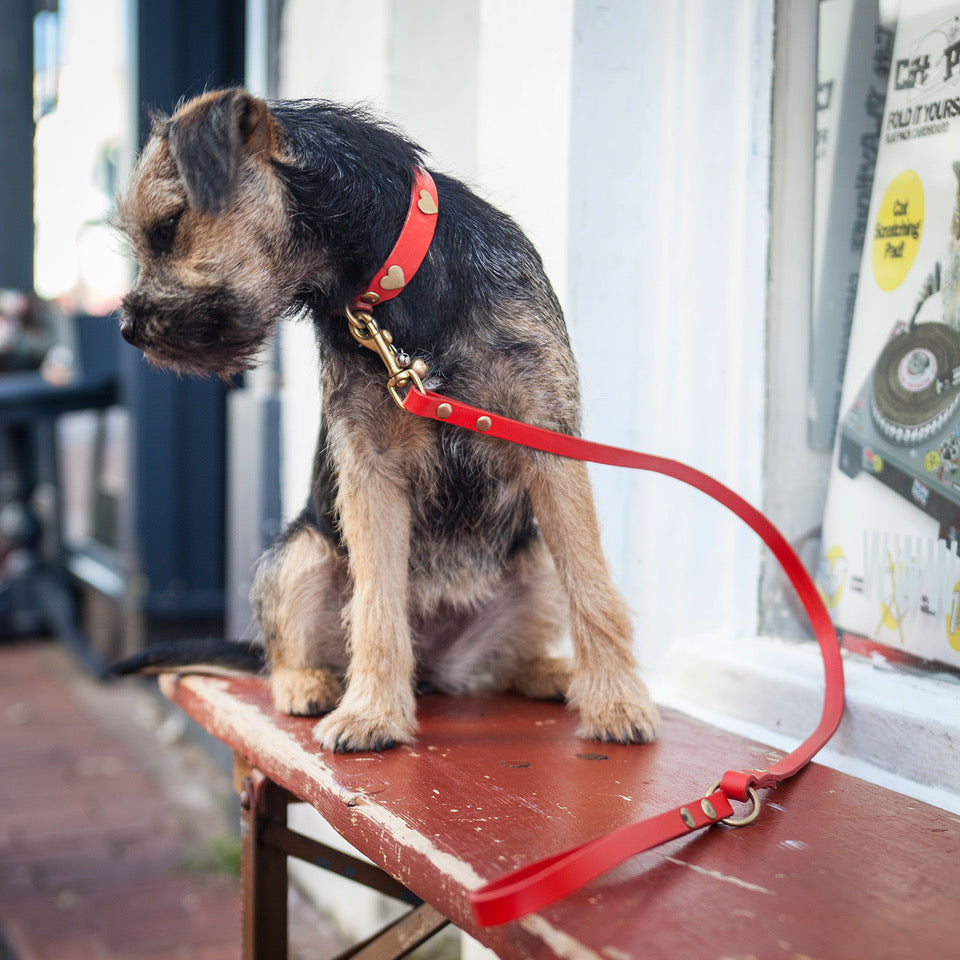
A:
(163, 233)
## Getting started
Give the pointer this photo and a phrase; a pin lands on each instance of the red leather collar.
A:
(411, 247)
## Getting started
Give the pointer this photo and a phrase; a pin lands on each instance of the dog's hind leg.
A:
(298, 594)
(537, 672)
(613, 703)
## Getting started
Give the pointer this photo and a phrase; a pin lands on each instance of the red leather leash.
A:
(538, 884)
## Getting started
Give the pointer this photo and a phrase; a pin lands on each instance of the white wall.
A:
(633, 149)
(666, 290)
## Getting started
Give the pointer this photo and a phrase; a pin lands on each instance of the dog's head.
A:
(207, 220)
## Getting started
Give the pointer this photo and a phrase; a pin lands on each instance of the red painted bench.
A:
(834, 867)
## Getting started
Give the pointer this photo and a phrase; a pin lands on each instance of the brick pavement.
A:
(98, 819)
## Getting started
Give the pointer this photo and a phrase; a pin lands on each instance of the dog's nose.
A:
(128, 330)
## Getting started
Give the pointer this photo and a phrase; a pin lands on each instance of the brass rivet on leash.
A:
(687, 817)
(484, 423)
(708, 808)
(444, 411)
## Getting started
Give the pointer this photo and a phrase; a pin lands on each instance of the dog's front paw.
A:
(621, 723)
(624, 715)
(304, 693)
(353, 731)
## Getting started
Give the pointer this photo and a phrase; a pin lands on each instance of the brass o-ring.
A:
(750, 817)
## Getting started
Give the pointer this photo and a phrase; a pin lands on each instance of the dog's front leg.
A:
(378, 706)
(613, 702)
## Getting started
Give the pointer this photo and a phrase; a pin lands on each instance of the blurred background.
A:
(660, 154)
(114, 475)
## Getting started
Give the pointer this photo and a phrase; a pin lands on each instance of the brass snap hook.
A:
(368, 333)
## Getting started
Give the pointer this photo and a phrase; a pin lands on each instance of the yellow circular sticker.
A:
(896, 234)
(953, 619)
(931, 460)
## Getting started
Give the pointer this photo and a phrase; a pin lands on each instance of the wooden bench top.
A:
(834, 866)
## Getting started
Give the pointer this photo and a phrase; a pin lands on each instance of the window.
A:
(900, 723)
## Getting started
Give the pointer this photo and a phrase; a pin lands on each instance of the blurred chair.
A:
(36, 595)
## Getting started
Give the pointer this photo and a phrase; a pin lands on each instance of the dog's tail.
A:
(213, 657)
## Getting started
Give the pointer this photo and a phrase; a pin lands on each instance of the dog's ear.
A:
(209, 139)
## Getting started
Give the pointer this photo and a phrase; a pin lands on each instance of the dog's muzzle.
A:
(130, 309)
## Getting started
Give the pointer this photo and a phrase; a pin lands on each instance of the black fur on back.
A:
(349, 182)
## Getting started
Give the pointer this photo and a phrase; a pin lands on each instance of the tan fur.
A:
(374, 508)
(300, 597)
(611, 698)
(304, 691)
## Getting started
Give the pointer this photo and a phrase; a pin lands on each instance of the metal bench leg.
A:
(267, 842)
(400, 937)
(264, 867)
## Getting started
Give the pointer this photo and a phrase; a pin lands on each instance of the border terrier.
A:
(427, 557)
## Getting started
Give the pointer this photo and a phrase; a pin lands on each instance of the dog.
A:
(427, 557)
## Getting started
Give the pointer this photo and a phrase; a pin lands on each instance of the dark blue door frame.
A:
(178, 435)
